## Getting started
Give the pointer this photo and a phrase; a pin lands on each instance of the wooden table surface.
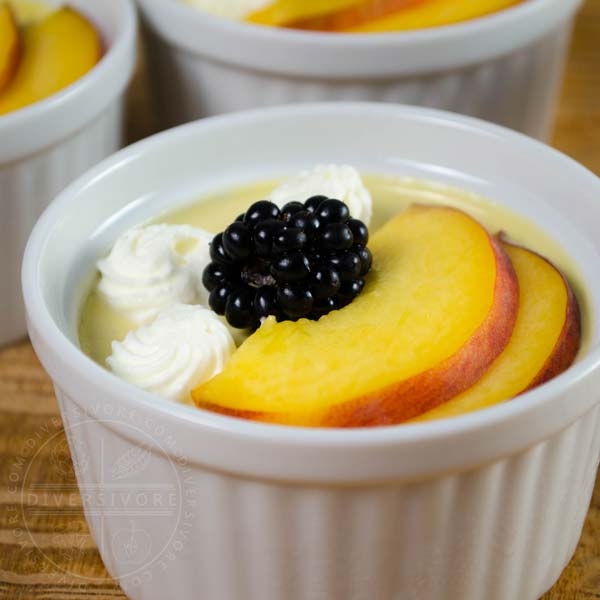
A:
(49, 554)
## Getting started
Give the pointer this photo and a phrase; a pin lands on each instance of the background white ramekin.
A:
(489, 505)
(45, 146)
(505, 68)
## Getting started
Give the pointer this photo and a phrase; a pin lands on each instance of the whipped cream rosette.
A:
(342, 182)
(152, 268)
(183, 347)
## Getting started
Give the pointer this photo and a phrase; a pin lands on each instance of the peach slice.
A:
(438, 308)
(10, 45)
(544, 343)
(354, 16)
(432, 13)
(56, 52)
(282, 12)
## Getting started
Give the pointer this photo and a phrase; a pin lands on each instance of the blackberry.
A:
(304, 260)
(260, 211)
(237, 241)
(306, 222)
(216, 274)
(313, 203)
(292, 266)
(350, 289)
(239, 310)
(347, 264)
(263, 235)
(359, 231)
(295, 300)
(218, 297)
(332, 211)
(336, 237)
(366, 260)
(325, 282)
(321, 306)
(218, 253)
(289, 239)
(290, 209)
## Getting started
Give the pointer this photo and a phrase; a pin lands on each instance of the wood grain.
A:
(51, 556)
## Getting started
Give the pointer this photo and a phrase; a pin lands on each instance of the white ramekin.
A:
(47, 145)
(489, 505)
(505, 68)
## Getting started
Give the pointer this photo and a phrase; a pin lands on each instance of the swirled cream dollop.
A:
(335, 181)
(183, 347)
(230, 9)
(154, 267)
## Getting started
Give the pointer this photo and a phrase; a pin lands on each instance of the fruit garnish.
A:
(281, 12)
(57, 51)
(10, 45)
(438, 308)
(373, 15)
(358, 14)
(544, 343)
(303, 260)
(430, 13)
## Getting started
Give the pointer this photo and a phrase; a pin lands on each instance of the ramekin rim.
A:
(41, 322)
(44, 108)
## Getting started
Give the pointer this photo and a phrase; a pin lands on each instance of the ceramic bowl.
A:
(184, 502)
(45, 146)
(505, 68)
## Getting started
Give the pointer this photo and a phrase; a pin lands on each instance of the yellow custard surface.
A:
(99, 324)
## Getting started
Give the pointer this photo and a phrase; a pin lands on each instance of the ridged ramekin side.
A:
(503, 530)
(518, 90)
(28, 185)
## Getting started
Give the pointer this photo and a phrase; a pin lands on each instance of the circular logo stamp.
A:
(89, 486)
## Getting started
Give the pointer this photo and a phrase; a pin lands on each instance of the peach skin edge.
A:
(409, 398)
(568, 344)
(352, 16)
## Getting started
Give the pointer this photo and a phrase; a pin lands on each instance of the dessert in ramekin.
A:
(60, 113)
(484, 505)
(45, 49)
(355, 301)
(505, 67)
